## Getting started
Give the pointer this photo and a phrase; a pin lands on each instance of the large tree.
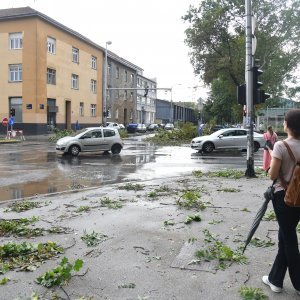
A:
(216, 37)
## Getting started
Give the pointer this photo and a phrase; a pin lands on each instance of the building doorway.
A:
(51, 114)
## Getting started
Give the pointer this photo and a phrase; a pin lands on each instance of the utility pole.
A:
(249, 89)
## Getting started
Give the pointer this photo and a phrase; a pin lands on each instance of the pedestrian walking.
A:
(282, 165)
(271, 138)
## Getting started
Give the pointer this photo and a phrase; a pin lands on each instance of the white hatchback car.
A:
(227, 138)
(91, 139)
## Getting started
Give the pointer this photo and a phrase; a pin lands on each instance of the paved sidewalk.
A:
(149, 252)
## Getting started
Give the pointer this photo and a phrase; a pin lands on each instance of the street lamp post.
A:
(105, 85)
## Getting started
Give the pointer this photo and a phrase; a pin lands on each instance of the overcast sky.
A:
(148, 33)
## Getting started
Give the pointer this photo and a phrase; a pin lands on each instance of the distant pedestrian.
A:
(270, 137)
(282, 165)
(261, 127)
(200, 129)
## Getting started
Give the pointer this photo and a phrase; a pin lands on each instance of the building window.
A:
(81, 109)
(131, 78)
(126, 76)
(116, 114)
(93, 110)
(74, 82)
(117, 73)
(51, 45)
(51, 76)
(93, 86)
(16, 40)
(125, 95)
(75, 55)
(117, 94)
(108, 69)
(94, 62)
(131, 96)
(15, 73)
(131, 115)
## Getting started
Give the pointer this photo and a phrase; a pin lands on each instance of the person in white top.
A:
(288, 257)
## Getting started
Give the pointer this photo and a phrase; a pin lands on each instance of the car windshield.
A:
(78, 132)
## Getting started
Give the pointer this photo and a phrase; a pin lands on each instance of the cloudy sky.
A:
(148, 33)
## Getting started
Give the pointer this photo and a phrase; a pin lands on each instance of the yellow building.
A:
(50, 75)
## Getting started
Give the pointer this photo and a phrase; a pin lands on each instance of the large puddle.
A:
(37, 169)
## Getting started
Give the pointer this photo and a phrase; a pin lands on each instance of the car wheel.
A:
(116, 149)
(74, 150)
(256, 146)
(208, 147)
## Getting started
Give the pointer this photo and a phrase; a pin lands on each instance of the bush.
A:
(177, 136)
(59, 134)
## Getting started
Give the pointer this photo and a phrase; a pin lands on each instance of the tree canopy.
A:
(216, 38)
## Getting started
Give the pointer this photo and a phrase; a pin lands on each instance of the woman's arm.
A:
(274, 169)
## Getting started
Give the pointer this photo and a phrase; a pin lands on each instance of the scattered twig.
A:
(247, 279)
(71, 245)
(65, 292)
(81, 275)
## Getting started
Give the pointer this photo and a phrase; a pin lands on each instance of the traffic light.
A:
(12, 112)
(259, 96)
(146, 91)
(241, 94)
(104, 114)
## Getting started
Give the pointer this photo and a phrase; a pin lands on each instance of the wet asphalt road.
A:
(34, 167)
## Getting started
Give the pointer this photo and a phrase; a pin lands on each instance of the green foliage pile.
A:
(22, 206)
(217, 250)
(191, 200)
(93, 239)
(59, 134)
(175, 137)
(19, 227)
(228, 173)
(26, 256)
(61, 274)
(250, 293)
(131, 187)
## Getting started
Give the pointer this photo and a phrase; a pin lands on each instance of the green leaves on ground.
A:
(93, 239)
(257, 242)
(191, 199)
(228, 173)
(26, 256)
(19, 227)
(131, 187)
(107, 202)
(61, 274)
(217, 250)
(270, 216)
(190, 219)
(22, 206)
(250, 293)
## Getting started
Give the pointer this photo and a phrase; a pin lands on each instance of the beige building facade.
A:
(49, 74)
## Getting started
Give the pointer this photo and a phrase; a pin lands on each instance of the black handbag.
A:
(268, 145)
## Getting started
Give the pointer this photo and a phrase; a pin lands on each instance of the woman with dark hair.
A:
(282, 165)
(271, 138)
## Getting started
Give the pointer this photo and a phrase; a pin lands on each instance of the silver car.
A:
(227, 138)
(91, 140)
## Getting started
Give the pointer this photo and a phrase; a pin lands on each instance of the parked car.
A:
(141, 128)
(169, 126)
(115, 125)
(227, 138)
(132, 127)
(90, 140)
(152, 127)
